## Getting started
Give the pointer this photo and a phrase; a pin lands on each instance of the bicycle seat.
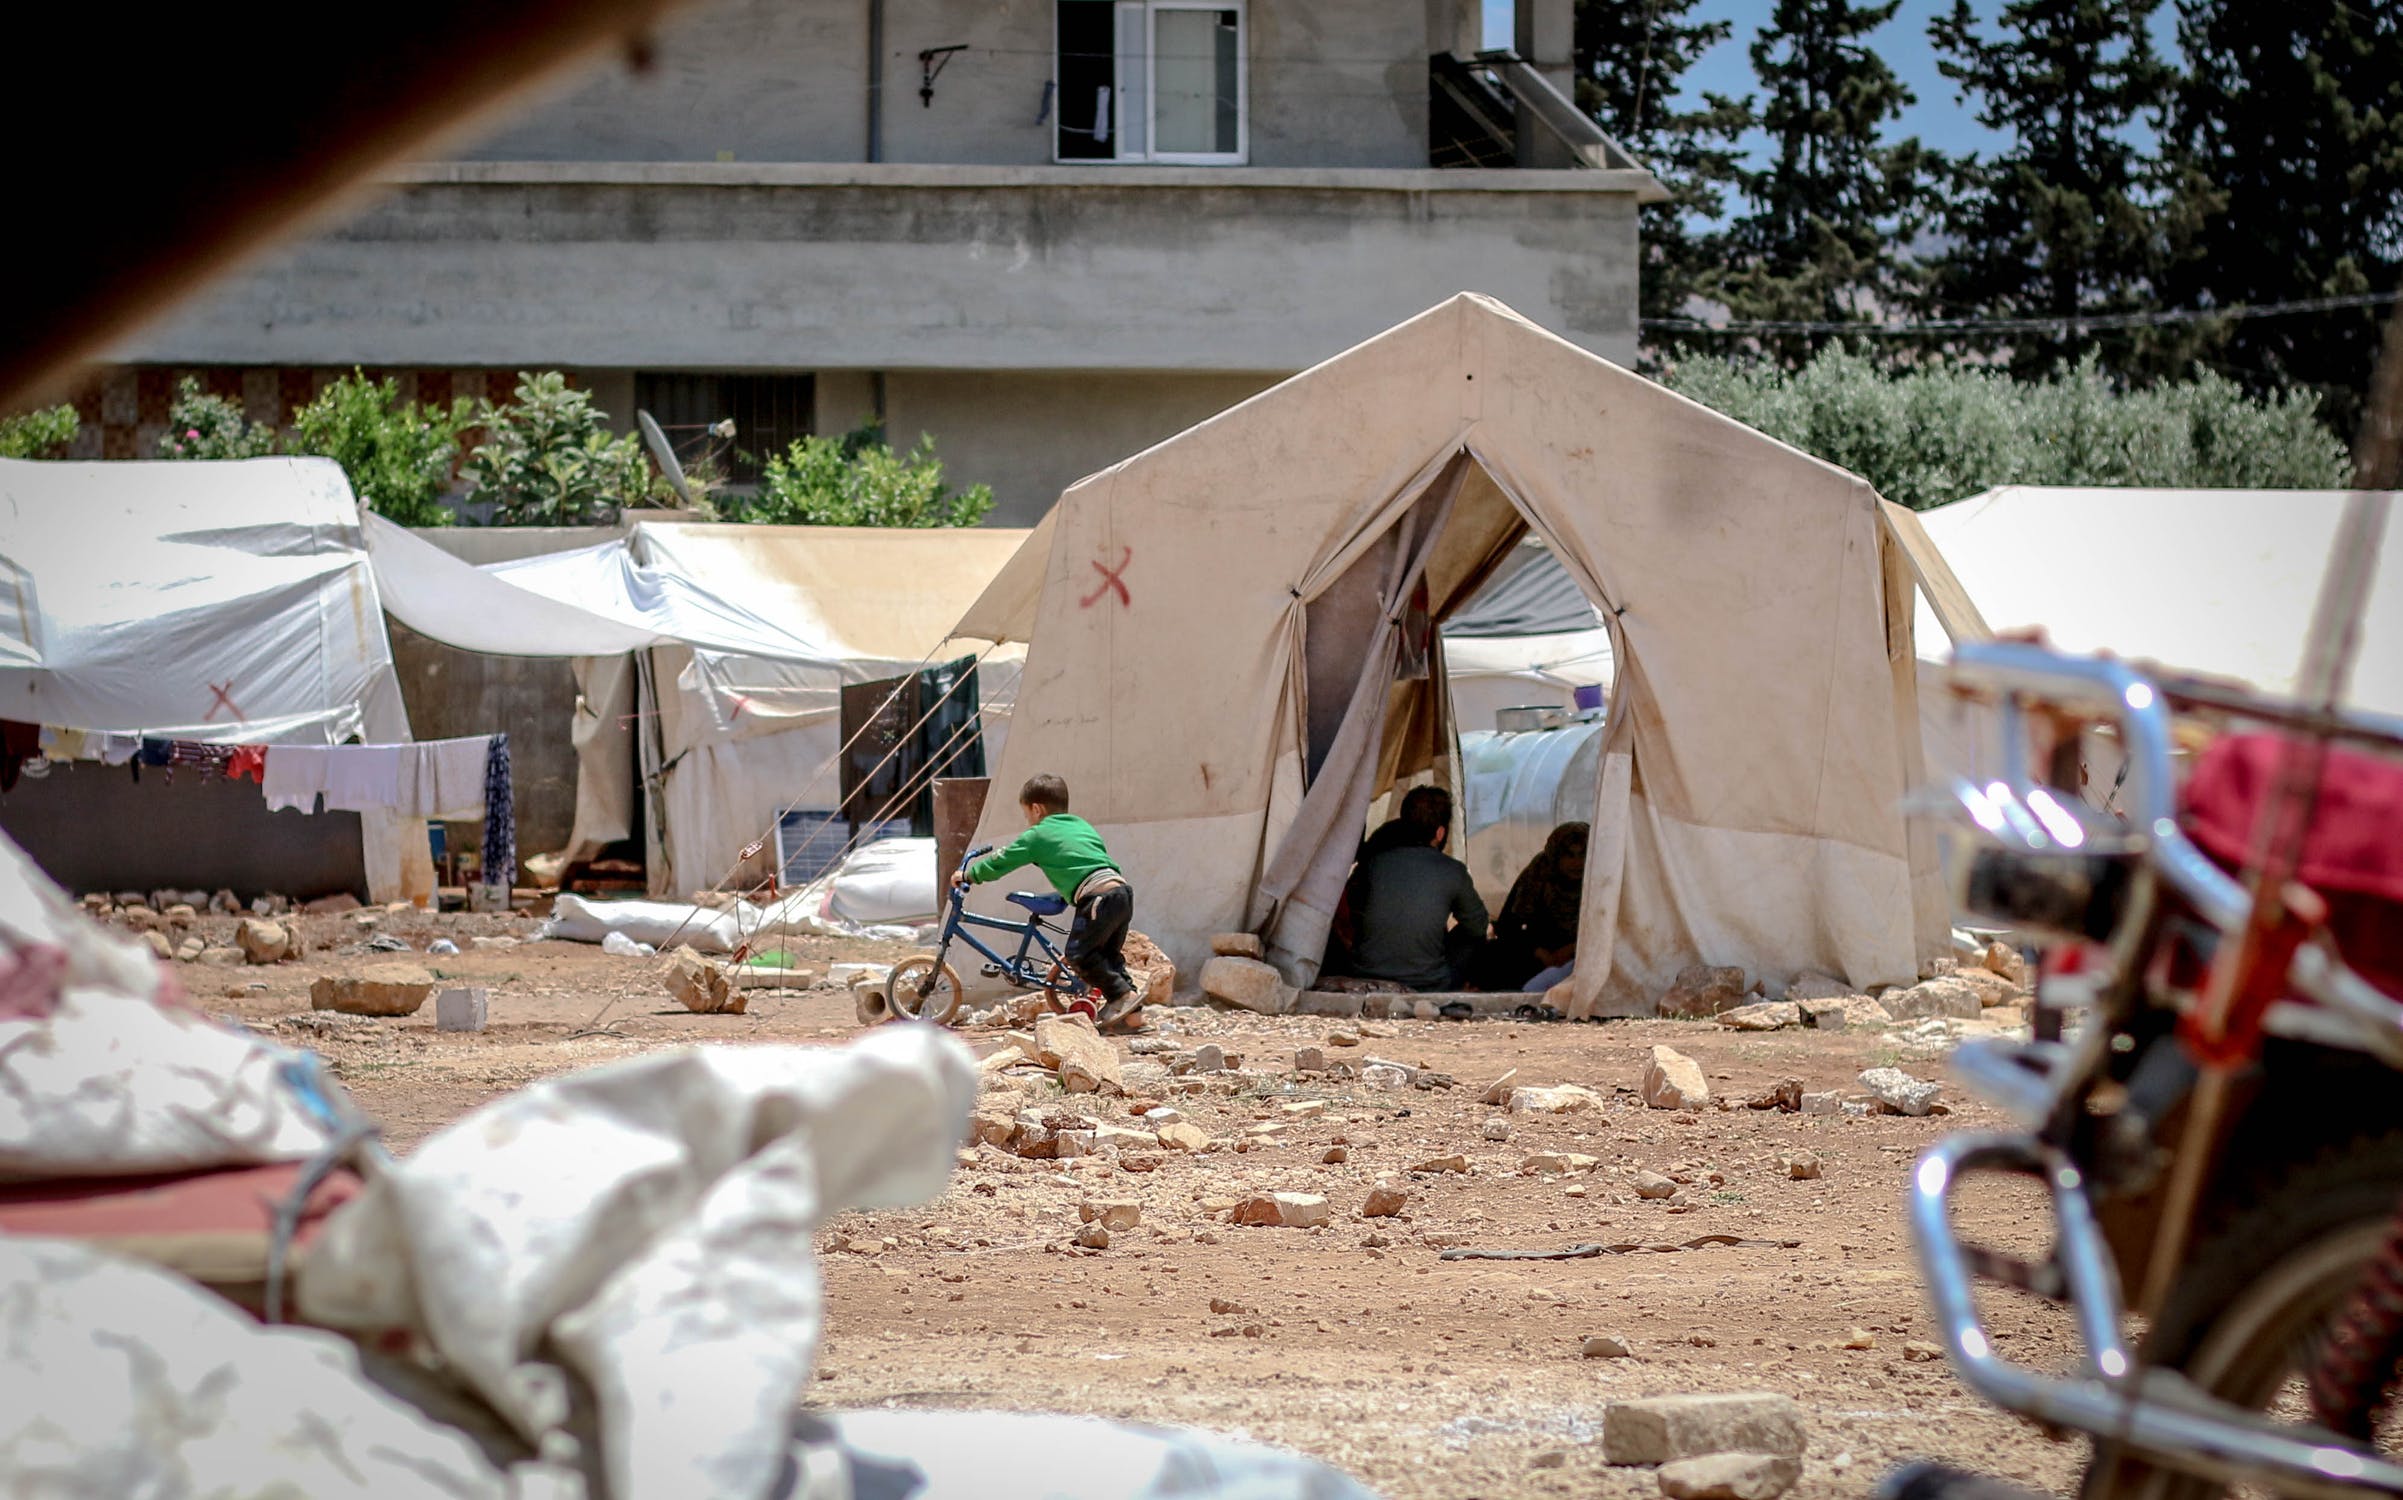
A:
(1041, 903)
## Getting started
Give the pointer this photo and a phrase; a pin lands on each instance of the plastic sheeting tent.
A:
(225, 602)
(713, 658)
(1221, 655)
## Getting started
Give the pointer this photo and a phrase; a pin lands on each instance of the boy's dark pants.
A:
(1097, 941)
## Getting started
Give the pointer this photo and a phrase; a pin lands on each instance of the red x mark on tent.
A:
(1113, 580)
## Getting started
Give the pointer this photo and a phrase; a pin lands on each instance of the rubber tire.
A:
(901, 992)
(2278, 1256)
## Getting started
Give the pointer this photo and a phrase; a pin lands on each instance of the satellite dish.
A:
(664, 455)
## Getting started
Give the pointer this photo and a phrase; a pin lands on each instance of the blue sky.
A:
(1936, 119)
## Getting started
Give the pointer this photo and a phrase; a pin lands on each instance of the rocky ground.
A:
(1353, 1340)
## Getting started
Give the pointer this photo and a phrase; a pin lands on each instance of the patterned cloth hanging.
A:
(500, 817)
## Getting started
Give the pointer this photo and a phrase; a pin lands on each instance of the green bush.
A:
(1927, 437)
(200, 425)
(399, 456)
(858, 480)
(39, 434)
(547, 458)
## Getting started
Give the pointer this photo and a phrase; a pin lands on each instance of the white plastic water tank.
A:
(1517, 788)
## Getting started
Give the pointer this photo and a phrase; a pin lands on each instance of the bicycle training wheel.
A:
(1061, 1002)
(938, 1003)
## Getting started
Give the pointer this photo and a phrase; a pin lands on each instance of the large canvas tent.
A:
(1228, 655)
(710, 660)
(226, 603)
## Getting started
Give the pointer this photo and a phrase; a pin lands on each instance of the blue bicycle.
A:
(925, 988)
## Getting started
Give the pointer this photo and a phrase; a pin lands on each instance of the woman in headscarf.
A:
(1537, 931)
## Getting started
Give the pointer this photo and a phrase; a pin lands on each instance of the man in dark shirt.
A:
(1417, 916)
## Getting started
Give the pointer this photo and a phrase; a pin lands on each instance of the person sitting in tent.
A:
(1416, 917)
(1535, 938)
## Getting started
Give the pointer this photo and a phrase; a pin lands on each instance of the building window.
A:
(769, 412)
(1150, 80)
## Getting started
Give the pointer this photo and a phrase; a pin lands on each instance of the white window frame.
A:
(1240, 156)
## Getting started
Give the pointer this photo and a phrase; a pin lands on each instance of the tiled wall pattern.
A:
(124, 409)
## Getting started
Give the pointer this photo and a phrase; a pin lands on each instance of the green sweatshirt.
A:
(1066, 849)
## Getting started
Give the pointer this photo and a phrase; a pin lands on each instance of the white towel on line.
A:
(362, 777)
(444, 779)
(294, 776)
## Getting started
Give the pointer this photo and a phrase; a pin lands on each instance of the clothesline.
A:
(453, 780)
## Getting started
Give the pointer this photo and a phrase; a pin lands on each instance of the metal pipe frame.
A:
(2156, 1413)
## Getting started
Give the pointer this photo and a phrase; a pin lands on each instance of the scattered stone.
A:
(1247, 983)
(1818, 987)
(1861, 1340)
(1383, 1203)
(1343, 1039)
(1440, 1164)
(701, 985)
(1674, 1081)
(1496, 1129)
(1557, 1163)
(1664, 1429)
(1920, 1352)
(1845, 1013)
(1785, 1095)
(1730, 1476)
(1702, 991)
(139, 919)
(1209, 1057)
(1384, 1076)
(1829, 1103)
(1337, 1155)
(218, 956)
(1992, 989)
(158, 944)
(1938, 968)
(1086, 1063)
(1773, 1015)
(1238, 945)
(1185, 1136)
(1550, 1458)
(1498, 1091)
(1805, 1166)
(1561, 1099)
(1946, 995)
(1603, 1346)
(1110, 1213)
(1305, 1109)
(333, 905)
(461, 1009)
(1309, 1060)
(1899, 1093)
(191, 948)
(2007, 961)
(491, 944)
(1093, 1237)
(1289, 1210)
(1152, 970)
(1654, 1186)
(181, 915)
(377, 990)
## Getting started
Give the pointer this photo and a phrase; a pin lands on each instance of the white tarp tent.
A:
(224, 602)
(1223, 630)
(2219, 583)
(720, 652)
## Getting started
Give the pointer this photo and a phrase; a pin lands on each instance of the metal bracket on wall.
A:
(931, 63)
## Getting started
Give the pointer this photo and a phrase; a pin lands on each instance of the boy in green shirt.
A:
(1070, 853)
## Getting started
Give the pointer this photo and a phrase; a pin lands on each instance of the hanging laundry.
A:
(359, 777)
(62, 743)
(249, 763)
(113, 747)
(295, 777)
(500, 817)
(444, 779)
(205, 758)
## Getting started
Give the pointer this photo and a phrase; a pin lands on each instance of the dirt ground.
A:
(1354, 1342)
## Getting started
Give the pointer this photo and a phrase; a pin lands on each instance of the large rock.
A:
(1992, 989)
(1560, 1099)
(1774, 1015)
(1899, 1092)
(1702, 991)
(377, 990)
(701, 985)
(1818, 987)
(1289, 1210)
(1086, 1064)
(2003, 959)
(1238, 945)
(1184, 1135)
(1248, 983)
(1383, 1203)
(462, 1009)
(1730, 1476)
(1947, 996)
(1664, 1429)
(1153, 971)
(1845, 1013)
(1673, 1080)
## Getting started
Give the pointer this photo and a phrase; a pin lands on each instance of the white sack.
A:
(884, 890)
(104, 1072)
(660, 923)
(129, 1381)
(649, 1223)
(988, 1455)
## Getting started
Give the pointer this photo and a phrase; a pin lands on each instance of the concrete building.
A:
(1047, 232)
